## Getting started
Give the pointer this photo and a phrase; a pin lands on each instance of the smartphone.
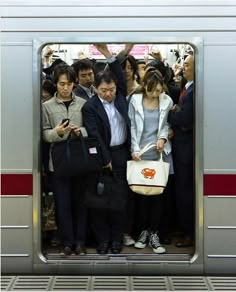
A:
(65, 120)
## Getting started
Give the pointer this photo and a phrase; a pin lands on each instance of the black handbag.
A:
(106, 191)
(77, 155)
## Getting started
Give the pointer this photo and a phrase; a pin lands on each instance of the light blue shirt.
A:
(117, 123)
(89, 91)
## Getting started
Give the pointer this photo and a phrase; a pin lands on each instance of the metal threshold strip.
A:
(52, 257)
(117, 283)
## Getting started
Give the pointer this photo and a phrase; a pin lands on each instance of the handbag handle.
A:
(147, 147)
(68, 141)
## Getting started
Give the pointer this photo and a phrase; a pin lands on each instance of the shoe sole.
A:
(129, 244)
(159, 250)
(140, 245)
(65, 254)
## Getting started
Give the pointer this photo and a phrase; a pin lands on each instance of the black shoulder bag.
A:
(77, 155)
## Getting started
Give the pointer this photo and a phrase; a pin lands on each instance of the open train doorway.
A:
(171, 60)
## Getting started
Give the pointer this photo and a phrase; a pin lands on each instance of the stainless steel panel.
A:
(220, 241)
(16, 210)
(16, 234)
(151, 7)
(16, 264)
(16, 149)
(219, 235)
(148, 23)
(16, 241)
(220, 266)
(219, 211)
(218, 127)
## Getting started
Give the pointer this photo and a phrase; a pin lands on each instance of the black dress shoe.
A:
(80, 249)
(116, 247)
(67, 250)
(185, 242)
(103, 247)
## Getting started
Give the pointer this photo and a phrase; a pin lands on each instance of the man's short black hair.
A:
(62, 69)
(83, 64)
(104, 76)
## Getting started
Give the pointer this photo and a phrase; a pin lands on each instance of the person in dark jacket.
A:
(181, 118)
(85, 77)
(105, 117)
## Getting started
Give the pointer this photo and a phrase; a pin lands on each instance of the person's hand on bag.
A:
(109, 165)
(136, 157)
(160, 144)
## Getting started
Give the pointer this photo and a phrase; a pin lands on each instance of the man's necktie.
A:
(182, 92)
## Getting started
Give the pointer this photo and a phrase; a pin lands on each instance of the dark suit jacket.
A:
(174, 92)
(79, 91)
(95, 117)
(182, 124)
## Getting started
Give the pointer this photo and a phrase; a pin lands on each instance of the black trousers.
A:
(130, 213)
(168, 212)
(108, 225)
(149, 212)
(71, 213)
(184, 182)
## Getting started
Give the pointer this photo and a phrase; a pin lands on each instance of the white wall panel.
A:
(220, 211)
(16, 211)
(219, 107)
(120, 24)
(118, 11)
(219, 234)
(118, 8)
(16, 107)
(16, 234)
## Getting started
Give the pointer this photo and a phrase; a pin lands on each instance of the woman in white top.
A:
(148, 113)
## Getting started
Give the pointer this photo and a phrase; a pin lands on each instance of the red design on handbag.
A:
(148, 173)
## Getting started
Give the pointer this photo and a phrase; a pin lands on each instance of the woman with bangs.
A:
(148, 113)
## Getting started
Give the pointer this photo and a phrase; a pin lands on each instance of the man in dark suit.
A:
(181, 118)
(85, 76)
(105, 117)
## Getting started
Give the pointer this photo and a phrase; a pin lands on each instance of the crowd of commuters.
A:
(124, 103)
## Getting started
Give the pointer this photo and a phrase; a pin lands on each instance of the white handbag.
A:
(147, 177)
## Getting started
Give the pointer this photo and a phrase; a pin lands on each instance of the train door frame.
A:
(39, 260)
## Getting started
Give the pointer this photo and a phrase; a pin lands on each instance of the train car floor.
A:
(53, 248)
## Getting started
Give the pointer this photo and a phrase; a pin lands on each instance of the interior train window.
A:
(159, 96)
